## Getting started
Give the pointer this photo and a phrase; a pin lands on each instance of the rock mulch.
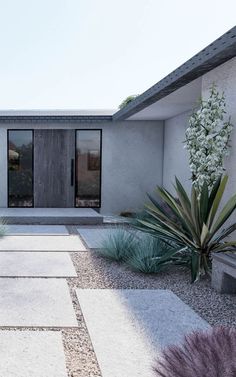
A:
(96, 272)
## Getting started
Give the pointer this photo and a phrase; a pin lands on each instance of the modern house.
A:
(109, 160)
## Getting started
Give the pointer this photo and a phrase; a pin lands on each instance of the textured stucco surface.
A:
(31, 354)
(132, 157)
(175, 156)
(132, 164)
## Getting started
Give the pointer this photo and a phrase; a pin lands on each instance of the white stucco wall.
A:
(132, 159)
(175, 156)
(224, 77)
(132, 164)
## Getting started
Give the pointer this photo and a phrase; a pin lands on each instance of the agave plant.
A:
(199, 222)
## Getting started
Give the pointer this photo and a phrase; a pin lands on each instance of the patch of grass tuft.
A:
(151, 255)
(119, 244)
(2, 228)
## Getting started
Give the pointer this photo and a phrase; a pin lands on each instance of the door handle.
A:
(72, 172)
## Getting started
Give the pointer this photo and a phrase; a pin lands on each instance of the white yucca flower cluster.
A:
(207, 139)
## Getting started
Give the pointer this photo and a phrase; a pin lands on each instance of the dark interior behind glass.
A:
(88, 168)
(20, 168)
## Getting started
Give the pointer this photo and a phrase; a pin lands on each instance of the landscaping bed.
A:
(95, 272)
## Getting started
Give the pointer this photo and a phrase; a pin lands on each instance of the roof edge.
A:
(53, 118)
(215, 54)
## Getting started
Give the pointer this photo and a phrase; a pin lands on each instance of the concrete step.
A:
(51, 216)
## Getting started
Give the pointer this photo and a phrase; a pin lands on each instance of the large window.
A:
(88, 168)
(20, 168)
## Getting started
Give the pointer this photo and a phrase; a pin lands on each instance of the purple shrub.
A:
(202, 354)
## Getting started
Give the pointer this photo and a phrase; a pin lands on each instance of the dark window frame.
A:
(100, 173)
(32, 167)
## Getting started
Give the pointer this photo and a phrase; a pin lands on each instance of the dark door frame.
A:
(72, 172)
(20, 129)
(100, 173)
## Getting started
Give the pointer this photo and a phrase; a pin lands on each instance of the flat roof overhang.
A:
(180, 101)
(54, 119)
(55, 116)
(217, 53)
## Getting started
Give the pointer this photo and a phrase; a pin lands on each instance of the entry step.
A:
(51, 216)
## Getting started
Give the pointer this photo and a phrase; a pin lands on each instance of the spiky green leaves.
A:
(197, 224)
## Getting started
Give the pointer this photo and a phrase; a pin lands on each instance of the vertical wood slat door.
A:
(54, 152)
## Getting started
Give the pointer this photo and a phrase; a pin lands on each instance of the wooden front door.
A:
(54, 152)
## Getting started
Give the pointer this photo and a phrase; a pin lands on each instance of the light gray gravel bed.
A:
(96, 272)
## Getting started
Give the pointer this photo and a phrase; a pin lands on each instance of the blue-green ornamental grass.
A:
(119, 244)
(140, 251)
(2, 228)
(151, 255)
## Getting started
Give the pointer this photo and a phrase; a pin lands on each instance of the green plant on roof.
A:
(128, 100)
(198, 228)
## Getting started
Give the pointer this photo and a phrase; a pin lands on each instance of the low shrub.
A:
(2, 228)
(119, 244)
(211, 353)
(139, 250)
(151, 255)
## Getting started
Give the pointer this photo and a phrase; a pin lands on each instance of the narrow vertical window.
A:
(88, 168)
(20, 168)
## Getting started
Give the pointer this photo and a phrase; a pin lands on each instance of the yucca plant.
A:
(198, 225)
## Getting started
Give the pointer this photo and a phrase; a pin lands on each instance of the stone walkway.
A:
(34, 295)
(127, 326)
(37, 306)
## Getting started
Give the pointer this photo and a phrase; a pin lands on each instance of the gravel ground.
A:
(81, 360)
(96, 272)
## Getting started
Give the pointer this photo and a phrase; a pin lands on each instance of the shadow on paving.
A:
(216, 309)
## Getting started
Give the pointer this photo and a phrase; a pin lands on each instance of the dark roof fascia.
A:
(55, 119)
(217, 53)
